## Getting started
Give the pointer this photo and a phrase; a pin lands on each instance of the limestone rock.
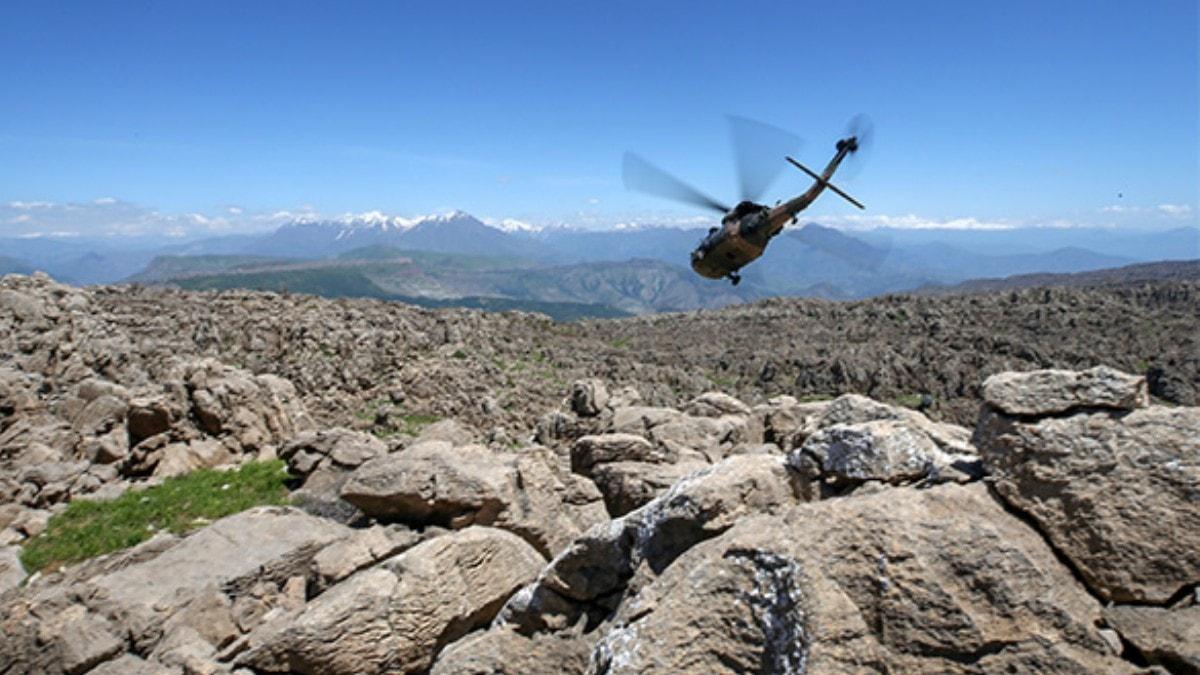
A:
(449, 431)
(397, 616)
(629, 485)
(360, 550)
(1049, 392)
(911, 581)
(1114, 493)
(431, 483)
(504, 651)
(856, 409)
(588, 397)
(231, 554)
(177, 459)
(128, 664)
(618, 447)
(603, 561)
(884, 450)
(715, 404)
(1170, 638)
(256, 410)
(338, 447)
(12, 572)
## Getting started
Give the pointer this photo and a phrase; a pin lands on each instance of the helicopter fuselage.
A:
(746, 229)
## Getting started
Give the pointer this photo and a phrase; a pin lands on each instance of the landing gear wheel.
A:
(735, 278)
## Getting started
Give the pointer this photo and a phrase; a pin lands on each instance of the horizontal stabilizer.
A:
(817, 177)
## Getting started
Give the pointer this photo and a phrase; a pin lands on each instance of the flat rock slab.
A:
(1165, 637)
(397, 616)
(1050, 392)
(241, 546)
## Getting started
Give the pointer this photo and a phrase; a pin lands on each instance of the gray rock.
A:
(884, 450)
(128, 664)
(1117, 494)
(715, 404)
(504, 651)
(397, 616)
(342, 448)
(1049, 392)
(448, 431)
(938, 580)
(1170, 638)
(588, 397)
(232, 553)
(602, 562)
(431, 482)
(12, 572)
(527, 493)
(589, 451)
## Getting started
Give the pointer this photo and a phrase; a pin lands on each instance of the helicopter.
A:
(748, 227)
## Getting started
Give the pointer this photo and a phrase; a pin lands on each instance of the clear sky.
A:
(991, 112)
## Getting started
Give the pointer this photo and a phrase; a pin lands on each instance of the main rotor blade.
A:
(640, 175)
(759, 149)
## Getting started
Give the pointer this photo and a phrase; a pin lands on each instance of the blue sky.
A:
(1001, 112)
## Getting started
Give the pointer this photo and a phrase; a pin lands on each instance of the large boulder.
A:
(504, 651)
(259, 411)
(397, 616)
(527, 493)
(1169, 638)
(939, 580)
(890, 451)
(1116, 493)
(856, 409)
(601, 564)
(1050, 392)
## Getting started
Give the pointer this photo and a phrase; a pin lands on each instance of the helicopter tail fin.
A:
(825, 183)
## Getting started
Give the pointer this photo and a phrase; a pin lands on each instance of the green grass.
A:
(413, 424)
(86, 529)
(908, 400)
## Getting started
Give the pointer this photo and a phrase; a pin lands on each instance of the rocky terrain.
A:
(479, 493)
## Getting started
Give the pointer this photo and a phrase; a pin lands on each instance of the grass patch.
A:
(86, 529)
(722, 382)
(413, 424)
(910, 401)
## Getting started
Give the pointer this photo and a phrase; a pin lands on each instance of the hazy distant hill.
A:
(447, 253)
(444, 279)
(1172, 270)
(14, 266)
(166, 267)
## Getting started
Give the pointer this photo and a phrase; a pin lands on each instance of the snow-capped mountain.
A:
(451, 232)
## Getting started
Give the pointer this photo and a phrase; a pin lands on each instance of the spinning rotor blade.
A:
(640, 175)
(758, 149)
(863, 131)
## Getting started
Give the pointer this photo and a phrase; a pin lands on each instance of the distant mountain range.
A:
(456, 258)
(1169, 270)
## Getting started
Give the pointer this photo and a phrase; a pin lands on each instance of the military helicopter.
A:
(747, 228)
